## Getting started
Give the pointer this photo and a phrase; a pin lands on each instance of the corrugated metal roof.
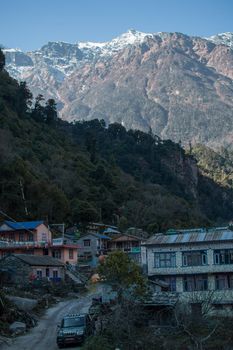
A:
(25, 225)
(101, 236)
(184, 238)
(123, 238)
(111, 230)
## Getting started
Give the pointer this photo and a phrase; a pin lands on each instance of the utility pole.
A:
(23, 197)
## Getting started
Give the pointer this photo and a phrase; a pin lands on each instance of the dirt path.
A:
(43, 336)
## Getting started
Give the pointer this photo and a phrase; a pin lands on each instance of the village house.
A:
(192, 262)
(129, 244)
(101, 228)
(91, 246)
(35, 238)
(24, 268)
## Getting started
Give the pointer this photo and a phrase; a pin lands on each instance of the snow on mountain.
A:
(64, 58)
(47, 68)
(223, 39)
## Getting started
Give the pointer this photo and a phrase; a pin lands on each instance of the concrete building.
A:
(35, 238)
(91, 246)
(192, 262)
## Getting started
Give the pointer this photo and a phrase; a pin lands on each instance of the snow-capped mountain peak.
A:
(131, 37)
(47, 68)
(222, 38)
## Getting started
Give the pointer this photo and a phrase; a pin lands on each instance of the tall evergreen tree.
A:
(24, 98)
(2, 60)
(38, 112)
(51, 111)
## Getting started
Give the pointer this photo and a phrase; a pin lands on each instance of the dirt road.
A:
(43, 336)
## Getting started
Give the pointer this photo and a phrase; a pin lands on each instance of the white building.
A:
(194, 261)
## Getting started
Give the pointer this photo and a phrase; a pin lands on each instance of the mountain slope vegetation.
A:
(181, 86)
(62, 172)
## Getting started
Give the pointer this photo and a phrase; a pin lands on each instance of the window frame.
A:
(55, 273)
(161, 258)
(71, 253)
(86, 241)
(195, 281)
(57, 253)
(39, 274)
(223, 256)
(224, 281)
(189, 257)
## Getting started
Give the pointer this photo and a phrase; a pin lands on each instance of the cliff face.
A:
(179, 86)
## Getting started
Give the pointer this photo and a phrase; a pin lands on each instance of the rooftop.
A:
(190, 237)
(36, 260)
(24, 225)
(126, 238)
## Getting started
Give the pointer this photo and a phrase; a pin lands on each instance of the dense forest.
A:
(87, 171)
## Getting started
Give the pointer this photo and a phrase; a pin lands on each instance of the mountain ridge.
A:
(161, 81)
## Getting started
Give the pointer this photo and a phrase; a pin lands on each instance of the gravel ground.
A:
(43, 336)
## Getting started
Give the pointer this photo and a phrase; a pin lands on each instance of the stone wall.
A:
(17, 270)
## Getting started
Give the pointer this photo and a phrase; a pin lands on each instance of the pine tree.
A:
(38, 113)
(2, 60)
(51, 111)
(24, 98)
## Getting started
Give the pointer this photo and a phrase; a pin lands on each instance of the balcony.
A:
(57, 242)
(26, 244)
(135, 250)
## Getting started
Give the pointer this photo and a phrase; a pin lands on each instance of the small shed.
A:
(25, 268)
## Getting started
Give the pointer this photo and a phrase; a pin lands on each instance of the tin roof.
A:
(100, 236)
(195, 237)
(124, 237)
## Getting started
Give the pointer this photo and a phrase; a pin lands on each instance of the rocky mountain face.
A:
(179, 86)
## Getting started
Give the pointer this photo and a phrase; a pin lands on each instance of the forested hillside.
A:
(50, 169)
(217, 165)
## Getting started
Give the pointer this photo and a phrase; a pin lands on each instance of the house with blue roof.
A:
(25, 231)
(35, 238)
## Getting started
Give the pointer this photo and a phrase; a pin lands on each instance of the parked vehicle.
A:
(74, 329)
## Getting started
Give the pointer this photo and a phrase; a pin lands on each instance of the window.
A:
(71, 254)
(224, 281)
(39, 274)
(223, 257)
(57, 254)
(30, 237)
(44, 237)
(55, 274)
(171, 280)
(165, 259)
(195, 282)
(194, 258)
(21, 237)
(12, 236)
(86, 242)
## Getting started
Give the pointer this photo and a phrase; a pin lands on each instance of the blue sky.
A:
(29, 24)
